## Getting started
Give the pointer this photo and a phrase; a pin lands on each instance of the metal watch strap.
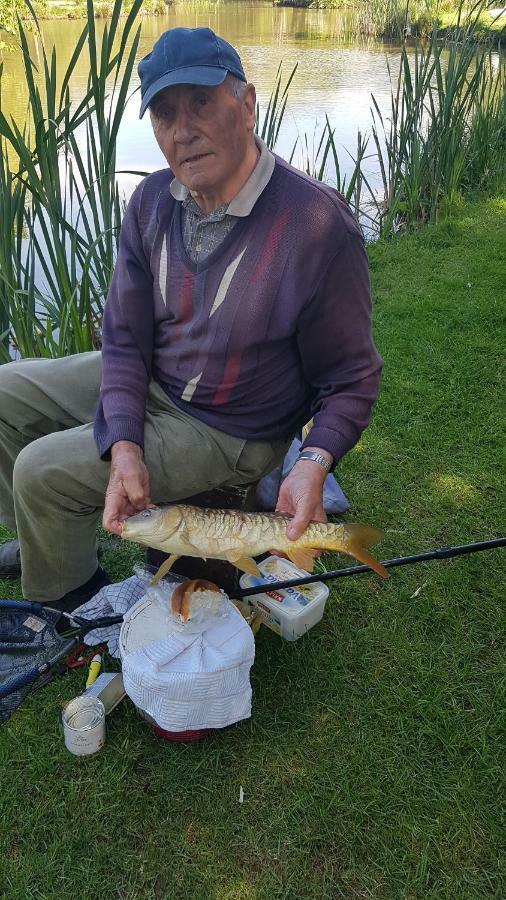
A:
(317, 458)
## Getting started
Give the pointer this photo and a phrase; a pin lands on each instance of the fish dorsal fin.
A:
(301, 557)
(244, 563)
(358, 538)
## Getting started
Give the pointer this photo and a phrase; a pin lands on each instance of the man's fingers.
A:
(137, 492)
(111, 521)
(298, 525)
(113, 518)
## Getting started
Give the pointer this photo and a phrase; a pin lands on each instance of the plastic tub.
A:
(293, 611)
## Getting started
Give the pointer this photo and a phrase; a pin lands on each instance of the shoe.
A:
(69, 602)
(10, 559)
(10, 562)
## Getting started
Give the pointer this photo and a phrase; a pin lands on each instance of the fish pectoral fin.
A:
(244, 563)
(301, 557)
(359, 538)
(164, 568)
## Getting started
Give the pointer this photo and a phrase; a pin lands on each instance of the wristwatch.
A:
(317, 458)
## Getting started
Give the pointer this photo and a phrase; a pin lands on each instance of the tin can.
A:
(84, 725)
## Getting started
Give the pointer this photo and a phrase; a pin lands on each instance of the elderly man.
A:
(238, 309)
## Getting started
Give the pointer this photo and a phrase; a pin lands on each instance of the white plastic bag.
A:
(187, 675)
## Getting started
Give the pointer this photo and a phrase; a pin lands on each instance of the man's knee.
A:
(63, 468)
(39, 468)
(31, 469)
(10, 384)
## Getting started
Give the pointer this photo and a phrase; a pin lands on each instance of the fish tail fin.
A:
(358, 539)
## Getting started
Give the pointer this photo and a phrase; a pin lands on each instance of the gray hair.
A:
(236, 86)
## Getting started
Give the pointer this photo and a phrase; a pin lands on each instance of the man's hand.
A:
(301, 495)
(128, 488)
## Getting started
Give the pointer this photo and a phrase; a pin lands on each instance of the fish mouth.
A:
(139, 518)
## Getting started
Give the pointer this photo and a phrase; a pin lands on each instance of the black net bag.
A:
(26, 641)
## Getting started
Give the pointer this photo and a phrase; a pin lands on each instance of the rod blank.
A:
(441, 553)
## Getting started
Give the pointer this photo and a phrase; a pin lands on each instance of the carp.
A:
(236, 536)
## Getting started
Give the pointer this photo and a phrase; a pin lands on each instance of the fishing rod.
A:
(85, 625)
(442, 553)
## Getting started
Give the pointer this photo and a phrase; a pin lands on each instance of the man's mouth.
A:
(192, 159)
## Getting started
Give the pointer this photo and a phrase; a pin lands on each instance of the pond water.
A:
(336, 74)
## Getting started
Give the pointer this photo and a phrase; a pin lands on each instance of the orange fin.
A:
(255, 624)
(302, 558)
(245, 564)
(164, 568)
(359, 538)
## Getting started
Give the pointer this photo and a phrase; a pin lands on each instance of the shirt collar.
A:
(244, 201)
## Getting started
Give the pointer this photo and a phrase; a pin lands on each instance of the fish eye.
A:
(146, 514)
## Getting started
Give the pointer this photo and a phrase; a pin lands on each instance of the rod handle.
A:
(26, 605)
(15, 684)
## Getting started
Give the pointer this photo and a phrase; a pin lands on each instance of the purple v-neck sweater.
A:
(271, 329)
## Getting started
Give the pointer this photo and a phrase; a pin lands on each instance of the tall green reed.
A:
(315, 151)
(60, 208)
(60, 202)
(445, 133)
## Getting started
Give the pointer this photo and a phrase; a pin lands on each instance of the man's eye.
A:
(201, 100)
(164, 113)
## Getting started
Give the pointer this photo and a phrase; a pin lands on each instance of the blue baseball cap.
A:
(187, 56)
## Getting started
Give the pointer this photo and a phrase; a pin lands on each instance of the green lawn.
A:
(373, 762)
(489, 27)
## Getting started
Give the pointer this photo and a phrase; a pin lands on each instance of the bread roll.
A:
(181, 597)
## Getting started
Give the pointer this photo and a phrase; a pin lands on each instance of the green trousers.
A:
(53, 482)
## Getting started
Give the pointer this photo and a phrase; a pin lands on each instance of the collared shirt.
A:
(203, 232)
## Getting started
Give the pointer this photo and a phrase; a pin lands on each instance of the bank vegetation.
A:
(61, 208)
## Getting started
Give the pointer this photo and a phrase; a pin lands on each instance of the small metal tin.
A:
(108, 688)
(84, 725)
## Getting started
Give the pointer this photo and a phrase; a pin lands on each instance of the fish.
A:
(237, 536)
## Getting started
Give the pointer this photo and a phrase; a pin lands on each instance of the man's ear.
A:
(249, 100)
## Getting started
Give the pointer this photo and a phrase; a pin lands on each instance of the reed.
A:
(61, 210)
(445, 134)
(268, 123)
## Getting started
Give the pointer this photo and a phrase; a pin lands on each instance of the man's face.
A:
(204, 133)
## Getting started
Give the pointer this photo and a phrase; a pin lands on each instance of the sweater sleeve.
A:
(338, 356)
(127, 340)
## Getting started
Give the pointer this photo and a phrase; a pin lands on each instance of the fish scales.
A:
(234, 535)
(254, 533)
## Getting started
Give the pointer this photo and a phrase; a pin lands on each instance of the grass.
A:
(490, 28)
(371, 766)
(103, 9)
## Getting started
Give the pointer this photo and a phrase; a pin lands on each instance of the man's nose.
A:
(184, 127)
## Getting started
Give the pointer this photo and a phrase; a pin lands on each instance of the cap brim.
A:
(209, 76)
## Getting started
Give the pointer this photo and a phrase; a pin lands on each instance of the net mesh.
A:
(26, 641)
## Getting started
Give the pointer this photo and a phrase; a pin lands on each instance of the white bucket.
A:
(84, 725)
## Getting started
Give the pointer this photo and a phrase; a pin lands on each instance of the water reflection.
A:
(335, 74)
